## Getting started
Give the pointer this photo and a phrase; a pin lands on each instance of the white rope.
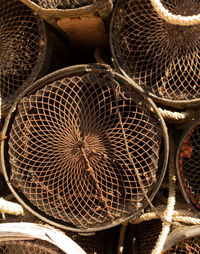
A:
(168, 214)
(181, 216)
(10, 207)
(174, 115)
(172, 18)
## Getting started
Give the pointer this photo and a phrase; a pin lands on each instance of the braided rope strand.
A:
(172, 18)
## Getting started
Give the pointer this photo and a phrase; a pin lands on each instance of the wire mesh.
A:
(66, 4)
(162, 58)
(21, 49)
(147, 234)
(28, 246)
(188, 161)
(67, 153)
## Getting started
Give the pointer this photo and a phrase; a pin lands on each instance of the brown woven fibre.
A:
(162, 58)
(28, 247)
(67, 151)
(21, 48)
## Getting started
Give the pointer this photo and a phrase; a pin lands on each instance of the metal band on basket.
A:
(70, 138)
(162, 58)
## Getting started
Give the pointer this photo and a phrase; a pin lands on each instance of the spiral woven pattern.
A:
(67, 151)
(189, 165)
(63, 4)
(21, 45)
(28, 247)
(163, 59)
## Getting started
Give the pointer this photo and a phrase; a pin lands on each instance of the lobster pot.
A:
(84, 21)
(78, 141)
(184, 239)
(26, 50)
(162, 58)
(25, 238)
(188, 164)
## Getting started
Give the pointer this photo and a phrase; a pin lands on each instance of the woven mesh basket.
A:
(187, 164)
(184, 239)
(67, 143)
(30, 238)
(26, 50)
(162, 58)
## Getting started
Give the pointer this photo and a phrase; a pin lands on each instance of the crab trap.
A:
(162, 57)
(28, 49)
(85, 149)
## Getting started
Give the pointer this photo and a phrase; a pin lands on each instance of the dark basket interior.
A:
(21, 49)
(162, 58)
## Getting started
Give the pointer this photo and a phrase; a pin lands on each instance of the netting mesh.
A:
(93, 244)
(20, 48)
(148, 232)
(189, 165)
(67, 151)
(187, 246)
(26, 247)
(162, 58)
(63, 4)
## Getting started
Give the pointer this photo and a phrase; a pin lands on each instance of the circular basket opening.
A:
(162, 58)
(68, 156)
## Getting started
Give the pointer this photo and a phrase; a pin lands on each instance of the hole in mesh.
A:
(67, 151)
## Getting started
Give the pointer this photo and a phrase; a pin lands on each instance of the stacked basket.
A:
(85, 148)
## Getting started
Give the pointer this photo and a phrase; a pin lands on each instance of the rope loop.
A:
(172, 18)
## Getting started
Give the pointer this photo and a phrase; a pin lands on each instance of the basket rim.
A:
(31, 231)
(101, 4)
(184, 134)
(179, 104)
(86, 68)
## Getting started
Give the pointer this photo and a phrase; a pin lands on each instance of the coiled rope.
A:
(172, 18)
